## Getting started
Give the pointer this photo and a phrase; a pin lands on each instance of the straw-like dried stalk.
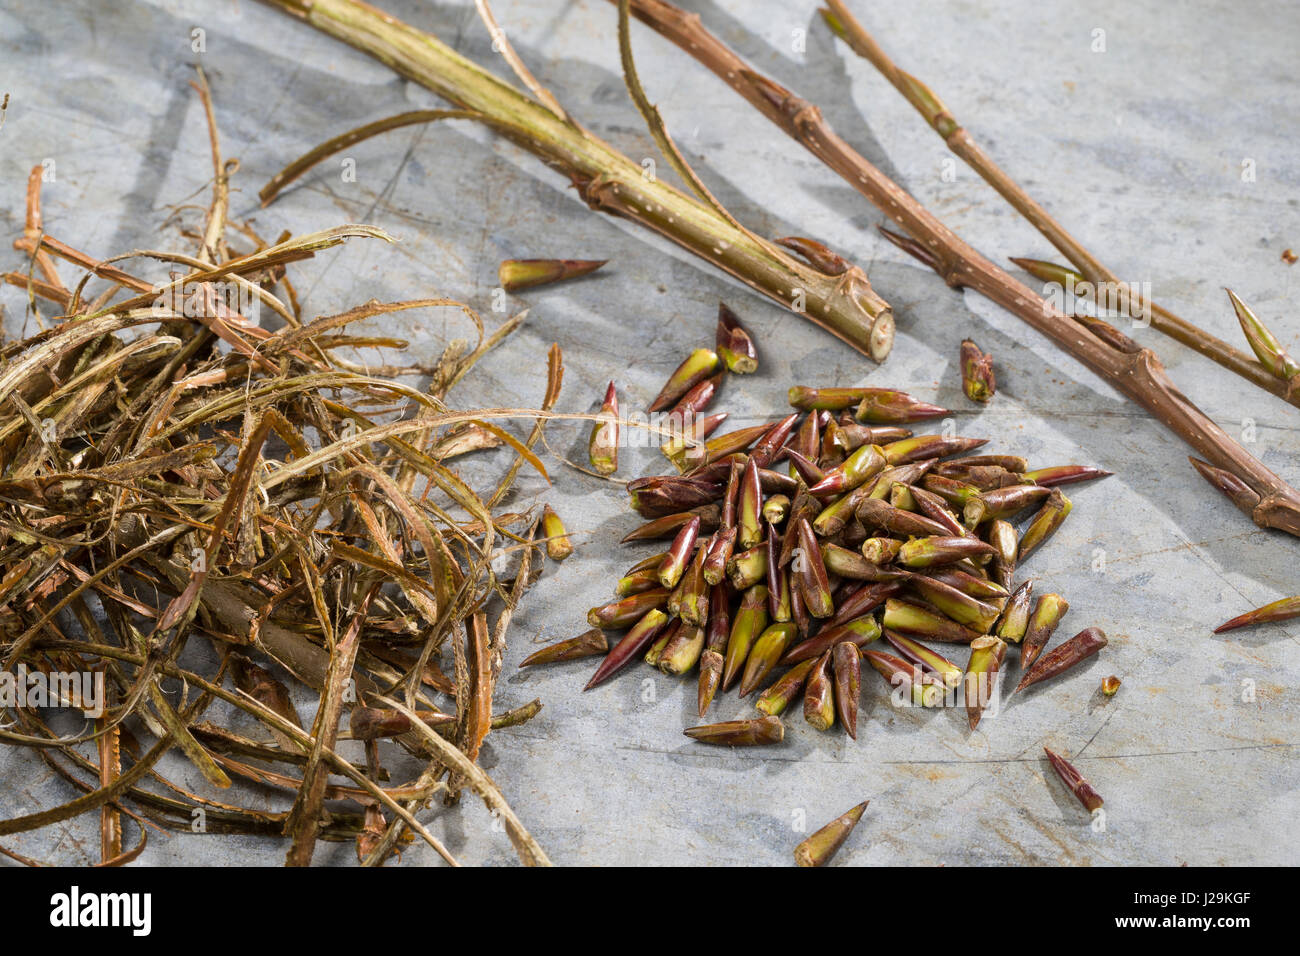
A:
(191, 500)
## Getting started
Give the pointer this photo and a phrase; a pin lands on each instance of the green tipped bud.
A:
(767, 651)
(937, 550)
(602, 447)
(698, 366)
(887, 406)
(922, 689)
(627, 611)
(734, 345)
(923, 447)
(683, 650)
(1283, 610)
(986, 656)
(948, 673)
(679, 553)
(781, 694)
(819, 695)
(1042, 623)
(750, 621)
(864, 464)
(977, 379)
(516, 274)
(1110, 685)
(818, 849)
(749, 509)
(1014, 621)
(1062, 475)
(1044, 524)
(1263, 343)
(922, 622)
(962, 608)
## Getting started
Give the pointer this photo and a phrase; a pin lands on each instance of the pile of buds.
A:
(796, 545)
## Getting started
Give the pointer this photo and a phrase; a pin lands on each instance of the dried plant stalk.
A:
(844, 303)
(1091, 270)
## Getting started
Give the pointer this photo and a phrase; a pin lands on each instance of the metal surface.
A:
(1139, 149)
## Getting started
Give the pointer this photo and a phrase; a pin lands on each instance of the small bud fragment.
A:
(775, 509)
(1080, 647)
(557, 540)
(740, 733)
(587, 644)
(819, 695)
(1042, 623)
(781, 694)
(818, 849)
(698, 366)
(846, 661)
(1081, 788)
(516, 274)
(1283, 610)
(986, 656)
(977, 379)
(734, 345)
(602, 447)
(1110, 685)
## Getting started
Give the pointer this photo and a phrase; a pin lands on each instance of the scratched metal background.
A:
(1139, 149)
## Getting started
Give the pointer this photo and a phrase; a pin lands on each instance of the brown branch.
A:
(1139, 375)
(1091, 270)
(607, 180)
